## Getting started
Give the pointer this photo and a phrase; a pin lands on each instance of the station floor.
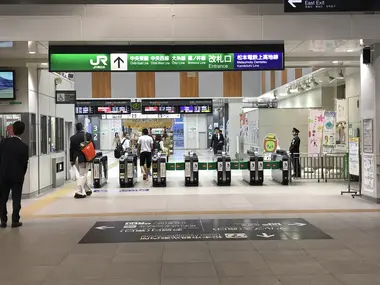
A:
(337, 242)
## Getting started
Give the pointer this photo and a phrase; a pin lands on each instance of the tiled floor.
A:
(45, 251)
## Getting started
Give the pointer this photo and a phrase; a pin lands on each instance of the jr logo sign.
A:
(100, 62)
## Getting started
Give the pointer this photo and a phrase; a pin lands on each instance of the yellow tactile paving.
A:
(42, 202)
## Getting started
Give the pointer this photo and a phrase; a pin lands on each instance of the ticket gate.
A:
(254, 175)
(128, 170)
(223, 170)
(281, 175)
(191, 169)
(99, 170)
(159, 170)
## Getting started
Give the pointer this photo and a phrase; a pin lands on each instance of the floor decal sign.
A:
(122, 190)
(202, 230)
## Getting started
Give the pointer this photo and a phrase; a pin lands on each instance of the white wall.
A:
(309, 99)
(234, 110)
(280, 122)
(353, 97)
(194, 126)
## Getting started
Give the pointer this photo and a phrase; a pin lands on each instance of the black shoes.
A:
(88, 193)
(14, 225)
(79, 196)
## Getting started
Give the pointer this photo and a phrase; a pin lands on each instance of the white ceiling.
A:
(310, 53)
(323, 77)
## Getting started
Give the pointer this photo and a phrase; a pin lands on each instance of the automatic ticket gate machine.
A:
(99, 170)
(283, 174)
(159, 170)
(254, 175)
(223, 170)
(191, 169)
(128, 170)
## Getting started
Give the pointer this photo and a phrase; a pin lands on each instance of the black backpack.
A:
(156, 146)
(119, 151)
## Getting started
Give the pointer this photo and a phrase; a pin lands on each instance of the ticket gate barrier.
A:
(281, 174)
(159, 170)
(223, 170)
(128, 170)
(254, 175)
(99, 170)
(191, 170)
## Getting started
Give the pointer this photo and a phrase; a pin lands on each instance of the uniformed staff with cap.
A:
(295, 153)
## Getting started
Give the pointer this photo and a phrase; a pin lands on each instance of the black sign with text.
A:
(65, 97)
(191, 106)
(313, 6)
(102, 107)
(202, 230)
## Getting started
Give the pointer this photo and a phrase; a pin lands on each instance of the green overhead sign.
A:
(166, 62)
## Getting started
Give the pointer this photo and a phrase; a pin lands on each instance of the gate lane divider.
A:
(235, 165)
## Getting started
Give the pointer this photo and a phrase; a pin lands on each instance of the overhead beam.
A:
(88, 2)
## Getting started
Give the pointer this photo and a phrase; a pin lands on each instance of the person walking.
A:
(14, 157)
(294, 150)
(144, 150)
(116, 140)
(78, 160)
(217, 141)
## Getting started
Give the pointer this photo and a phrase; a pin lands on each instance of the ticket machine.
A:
(223, 170)
(191, 169)
(99, 170)
(128, 170)
(159, 170)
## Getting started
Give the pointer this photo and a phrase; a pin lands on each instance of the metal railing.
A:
(320, 167)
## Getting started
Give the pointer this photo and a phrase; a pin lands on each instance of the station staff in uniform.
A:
(295, 153)
(14, 156)
(77, 158)
(217, 141)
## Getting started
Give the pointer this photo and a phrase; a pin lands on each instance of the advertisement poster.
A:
(316, 119)
(368, 173)
(243, 125)
(329, 130)
(341, 110)
(270, 143)
(354, 168)
(368, 135)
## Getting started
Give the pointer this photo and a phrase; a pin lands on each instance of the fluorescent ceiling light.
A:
(335, 62)
(44, 64)
(32, 52)
(350, 50)
(6, 44)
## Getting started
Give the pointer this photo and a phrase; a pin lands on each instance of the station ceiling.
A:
(88, 2)
(298, 53)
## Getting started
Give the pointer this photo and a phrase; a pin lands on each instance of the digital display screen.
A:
(7, 85)
(101, 107)
(200, 106)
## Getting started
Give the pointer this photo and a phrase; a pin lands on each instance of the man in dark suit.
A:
(14, 156)
(77, 158)
(217, 141)
(295, 153)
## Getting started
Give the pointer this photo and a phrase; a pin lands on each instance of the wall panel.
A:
(123, 85)
(263, 82)
(284, 77)
(145, 85)
(210, 84)
(101, 85)
(167, 84)
(251, 81)
(189, 84)
(232, 84)
(298, 73)
(272, 79)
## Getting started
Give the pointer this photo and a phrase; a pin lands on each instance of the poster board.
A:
(368, 173)
(354, 161)
(368, 135)
(315, 128)
(329, 130)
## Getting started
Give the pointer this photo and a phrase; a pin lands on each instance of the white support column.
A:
(370, 110)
